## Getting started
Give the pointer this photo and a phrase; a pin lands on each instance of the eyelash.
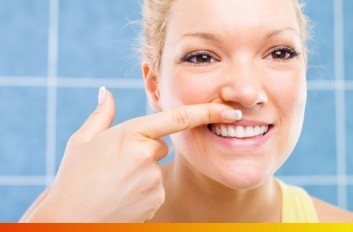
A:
(290, 53)
(199, 54)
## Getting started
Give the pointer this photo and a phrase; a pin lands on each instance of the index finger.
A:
(185, 117)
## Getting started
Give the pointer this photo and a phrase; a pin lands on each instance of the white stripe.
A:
(71, 82)
(96, 82)
(23, 81)
(318, 180)
(340, 102)
(23, 181)
(51, 89)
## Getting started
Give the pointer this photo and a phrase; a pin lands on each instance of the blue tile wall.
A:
(96, 46)
(98, 35)
(349, 134)
(18, 199)
(327, 193)
(23, 37)
(348, 29)
(23, 131)
(350, 193)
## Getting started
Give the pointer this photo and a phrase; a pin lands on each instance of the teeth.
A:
(231, 132)
(238, 131)
(257, 130)
(224, 131)
(249, 131)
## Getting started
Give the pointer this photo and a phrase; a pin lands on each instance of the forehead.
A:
(238, 16)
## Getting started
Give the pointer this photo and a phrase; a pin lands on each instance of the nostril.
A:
(245, 95)
(263, 98)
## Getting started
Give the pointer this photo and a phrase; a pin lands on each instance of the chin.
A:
(244, 177)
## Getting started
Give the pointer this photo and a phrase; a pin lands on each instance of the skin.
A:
(240, 71)
(114, 170)
(111, 173)
(243, 74)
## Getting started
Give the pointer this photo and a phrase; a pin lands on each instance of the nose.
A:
(243, 86)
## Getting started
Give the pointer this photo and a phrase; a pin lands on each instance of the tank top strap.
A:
(297, 205)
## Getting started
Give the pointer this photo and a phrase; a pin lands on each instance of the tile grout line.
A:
(72, 82)
(52, 90)
(23, 180)
(317, 180)
(95, 82)
(340, 104)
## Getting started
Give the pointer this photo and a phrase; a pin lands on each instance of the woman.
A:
(227, 80)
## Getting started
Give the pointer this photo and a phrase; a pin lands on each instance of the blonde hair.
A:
(155, 14)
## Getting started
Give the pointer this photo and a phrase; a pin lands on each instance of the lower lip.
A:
(251, 143)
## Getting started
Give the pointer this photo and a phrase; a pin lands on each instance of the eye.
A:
(283, 53)
(199, 58)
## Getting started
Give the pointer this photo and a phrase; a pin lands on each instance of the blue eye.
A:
(199, 58)
(283, 53)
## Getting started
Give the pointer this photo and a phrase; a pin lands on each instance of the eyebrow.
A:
(276, 32)
(203, 35)
(213, 37)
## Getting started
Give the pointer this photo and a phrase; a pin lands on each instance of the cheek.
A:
(185, 89)
(289, 98)
(289, 94)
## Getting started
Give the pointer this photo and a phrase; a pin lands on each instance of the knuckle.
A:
(151, 150)
(181, 119)
(145, 158)
(164, 149)
(161, 149)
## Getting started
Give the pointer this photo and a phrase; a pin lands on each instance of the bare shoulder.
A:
(331, 213)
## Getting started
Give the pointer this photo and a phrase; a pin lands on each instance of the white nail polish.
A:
(232, 115)
(102, 94)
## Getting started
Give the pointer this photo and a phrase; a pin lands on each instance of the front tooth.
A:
(257, 130)
(249, 132)
(239, 132)
(224, 131)
(231, 131)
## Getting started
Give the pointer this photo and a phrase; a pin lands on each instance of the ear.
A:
(151, 87)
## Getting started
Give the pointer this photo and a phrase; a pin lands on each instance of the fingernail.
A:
(102, 94)
(232, 115)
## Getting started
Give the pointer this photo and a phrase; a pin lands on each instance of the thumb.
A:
(101, 118)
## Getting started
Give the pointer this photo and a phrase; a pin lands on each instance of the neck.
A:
(193, 197)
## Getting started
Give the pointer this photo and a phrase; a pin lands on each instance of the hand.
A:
(111, 174)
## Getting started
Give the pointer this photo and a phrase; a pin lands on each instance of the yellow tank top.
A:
(297, 205)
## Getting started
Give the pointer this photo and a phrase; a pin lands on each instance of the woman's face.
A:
(245, 54)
